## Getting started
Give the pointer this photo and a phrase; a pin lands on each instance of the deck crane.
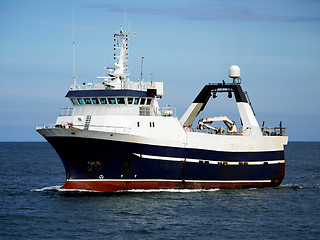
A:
(231, 125)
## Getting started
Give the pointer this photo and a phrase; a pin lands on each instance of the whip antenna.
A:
(141, 68)
(125, 18)
(74, 52)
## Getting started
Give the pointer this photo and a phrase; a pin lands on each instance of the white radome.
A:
(234, 71)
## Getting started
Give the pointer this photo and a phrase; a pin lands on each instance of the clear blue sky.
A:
(186, 44)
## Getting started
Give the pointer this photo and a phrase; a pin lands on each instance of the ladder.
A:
(87, 123)
(247, 95)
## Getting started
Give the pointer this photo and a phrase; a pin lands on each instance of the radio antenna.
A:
(141, 68)
(74, 53)
(125, 18)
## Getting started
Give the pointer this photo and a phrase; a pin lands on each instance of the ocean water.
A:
(33, 207)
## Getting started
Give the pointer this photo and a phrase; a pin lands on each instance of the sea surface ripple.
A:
(33, 205)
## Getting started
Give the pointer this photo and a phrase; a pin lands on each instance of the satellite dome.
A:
(234, 71)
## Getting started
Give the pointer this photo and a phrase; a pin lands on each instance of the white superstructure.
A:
(119, 105)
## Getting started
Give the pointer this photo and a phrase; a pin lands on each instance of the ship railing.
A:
(59, 125)
(45, 126)
(168, 111)
(66, 112)
(266, 131)
(273, 131)
(113, 129)
(218, 131)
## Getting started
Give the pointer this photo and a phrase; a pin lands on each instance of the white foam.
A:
(59, 189)
(290, 185)
(52, 188)
(78, 190)
(171, 190)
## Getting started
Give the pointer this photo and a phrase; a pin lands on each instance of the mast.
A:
(120, 70)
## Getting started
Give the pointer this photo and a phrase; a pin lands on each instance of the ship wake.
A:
(61, 190)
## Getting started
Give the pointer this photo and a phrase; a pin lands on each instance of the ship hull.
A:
(116, 185)
(109, 166)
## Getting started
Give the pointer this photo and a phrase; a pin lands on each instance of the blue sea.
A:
(33, 207)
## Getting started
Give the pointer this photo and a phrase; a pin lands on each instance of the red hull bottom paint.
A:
(114, 185)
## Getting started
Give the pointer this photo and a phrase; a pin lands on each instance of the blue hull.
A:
(93, 159)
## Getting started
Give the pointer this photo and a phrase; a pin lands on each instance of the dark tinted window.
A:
(112, 100)
(143, 100)
(80, 100)
(136, 101)
(95, 101)
(87, 100)
(120, 101)
(103, 101)
(74, 101)
(130, 100)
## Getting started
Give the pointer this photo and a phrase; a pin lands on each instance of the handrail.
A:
(168, 111)
(45, 126)
(266, 131)
(219, 131)
(273, 131)
(115, 129)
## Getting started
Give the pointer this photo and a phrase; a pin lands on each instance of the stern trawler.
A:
(115, 137)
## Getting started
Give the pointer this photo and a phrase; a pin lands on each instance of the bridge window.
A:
(80, 100)
(149, 101)
(130, 100)
(120, 101)
(112, 100)
(95, 101)
(136, 101)
(74, 101)
(142, 101)
(87, 100)
(103, 101)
